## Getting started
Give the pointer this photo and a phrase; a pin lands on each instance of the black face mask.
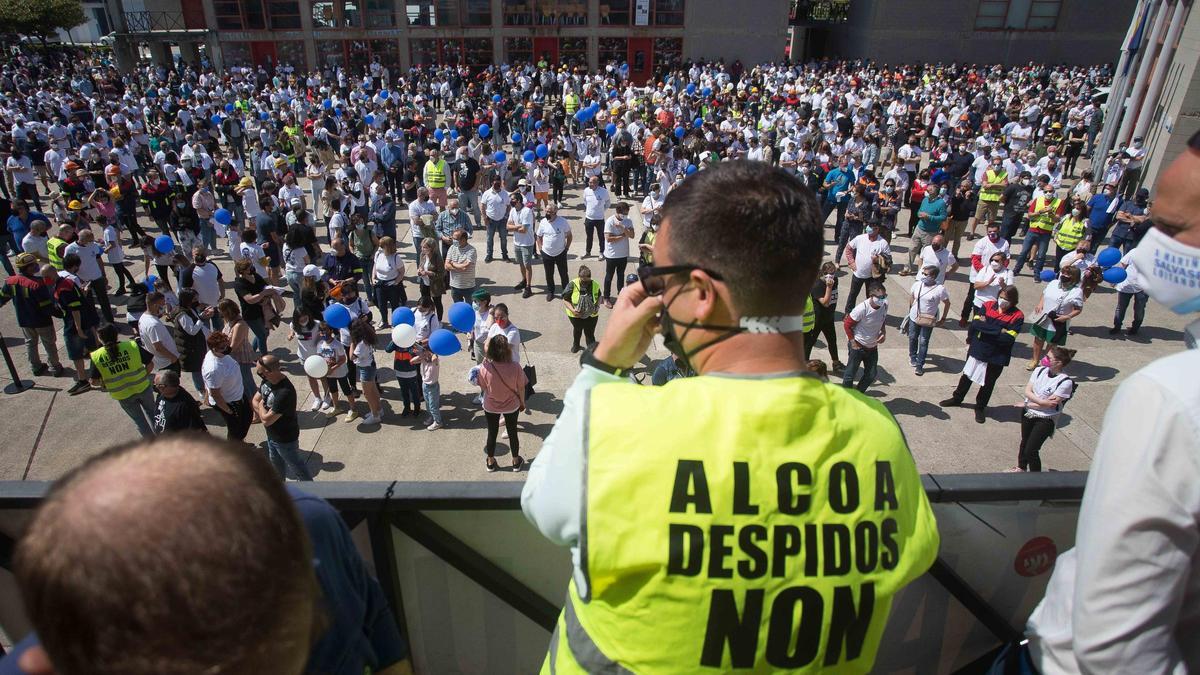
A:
(674, 342)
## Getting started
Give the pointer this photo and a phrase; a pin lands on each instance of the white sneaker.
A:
(327, 408)
(371, 419)
(505, 434)
(434, 427)
(478, 400)
(317, 404)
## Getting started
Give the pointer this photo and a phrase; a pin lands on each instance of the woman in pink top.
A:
(503, 385)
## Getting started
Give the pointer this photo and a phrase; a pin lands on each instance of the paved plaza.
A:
(47, 432)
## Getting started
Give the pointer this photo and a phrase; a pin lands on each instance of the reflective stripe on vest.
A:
(435, 174)
(124, 375)
(810, 316)
(575, 295)
(992, 185)
(650, 237)
(53, 246)
(1070, 232)
(1045, 219)
(767, 534)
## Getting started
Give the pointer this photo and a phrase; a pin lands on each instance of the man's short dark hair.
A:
(756, 225)
(71, 260)
(182, 554)
(875, 286)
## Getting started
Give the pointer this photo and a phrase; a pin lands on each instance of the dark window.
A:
(1017, 14)
(477, 51)
(518, 12)
(477, 13)
(518, 49)
(285, 16)
(614, 13)
(668, 12)
(572, 51)
(668, 52)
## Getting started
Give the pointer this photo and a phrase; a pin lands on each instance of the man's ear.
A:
(35, 661)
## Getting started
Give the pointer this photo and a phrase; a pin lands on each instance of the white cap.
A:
(313, 272)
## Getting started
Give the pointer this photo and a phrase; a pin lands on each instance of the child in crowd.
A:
(304, 332)
(430, 387)
(362, 351)
(406, 377)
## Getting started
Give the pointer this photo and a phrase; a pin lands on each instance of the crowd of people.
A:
(310, 183)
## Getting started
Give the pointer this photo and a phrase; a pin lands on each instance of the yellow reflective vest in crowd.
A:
(435, 173)
(993, 185)
(1069, 232)
(575, 288)
(123, 373)
(810, 316)
(768, 529)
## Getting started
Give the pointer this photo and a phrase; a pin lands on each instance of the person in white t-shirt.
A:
(553, 236)
(1046, 393)
(939, 256)
(115, 254)
(981, 255)
(520, 224)
(1128, 290)
(993, 278)
(924, 297)
(861, 253)
(865, 331)
(618, 231)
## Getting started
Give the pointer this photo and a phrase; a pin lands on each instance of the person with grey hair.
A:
(174, 408)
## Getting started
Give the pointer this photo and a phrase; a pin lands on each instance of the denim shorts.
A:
(367, 373)
(79, 347)
(524, 255)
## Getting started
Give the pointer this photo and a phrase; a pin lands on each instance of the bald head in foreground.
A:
(177, 555)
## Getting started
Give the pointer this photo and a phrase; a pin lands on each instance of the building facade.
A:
(974, 31)
(399, 33)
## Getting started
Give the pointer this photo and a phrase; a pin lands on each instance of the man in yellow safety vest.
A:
(1070, 230)
(995, 180)
(122, 366)
(754, 516)
(434, 175)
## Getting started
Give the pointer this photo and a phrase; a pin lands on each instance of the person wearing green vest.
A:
(56, 246)
(571, 103)
(1070, 230)
(581, 300)
(752, 517)
(124, 368)
(995, 180)
(434, 175)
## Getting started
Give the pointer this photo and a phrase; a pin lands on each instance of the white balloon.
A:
(404, 335)
(316, 366)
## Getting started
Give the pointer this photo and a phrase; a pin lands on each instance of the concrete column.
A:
(1150, 48)
(1121, 82)
(160, 54)
(1150, 102)
(310, 43)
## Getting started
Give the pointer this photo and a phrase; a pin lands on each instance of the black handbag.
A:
(530, 374)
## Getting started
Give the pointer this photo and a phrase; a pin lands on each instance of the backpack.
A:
(1062, 377)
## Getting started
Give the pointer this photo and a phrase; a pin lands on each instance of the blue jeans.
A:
(1139, 308)
(497, 227)
(287, 454)
(1042, 241)
(869, 359)
(918, 344)
(433, 400)
(847, 230)
(259, 328)
(140, 409)
(828, 208)
(249, 389)
(208, 235)
(1123, 242)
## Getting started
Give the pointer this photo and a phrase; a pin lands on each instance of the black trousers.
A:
(556, 191)
(1034, 432)
(410, 393)
(426, 295)
(583, 327)
(591, 225)
(985, 392)
(552, 262)
(824, 326)
(123, 275)
(493, 430)
(99, 291)
(614, 267)
(237, 422)
(968, 303)
(856, 285)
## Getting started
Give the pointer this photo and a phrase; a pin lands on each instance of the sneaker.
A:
(905, 272)
(951, 402)
(57, 371)
(434, 427)
(40, 369)
(79, 387)
(329, 409)
(519, 286)
(550, 297)
(371, 418)
(478, 400)
(980, 416)
(528, 293)
(575, 349)
(351, 416)
(1015, 469)
(506, 259)
(1132, 331)
(488, 259)
(1115, 329)
(317, 404)
(918, 371)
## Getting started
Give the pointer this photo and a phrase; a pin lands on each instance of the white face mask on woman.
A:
(1003, 304)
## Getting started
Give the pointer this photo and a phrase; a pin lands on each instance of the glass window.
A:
(388, 53)
(229, 15)
(360, 56)
(291, 53)
(351, 17)
(668, 52)
(236, 53)
(614, 13)
(477, 13)
(252, 11)
(668, 12)
(1017, 14)
(447, 12)
(1043, 15)
(613, 49)
(285, 15)
(381, 13)
(452, 51)
(432, 13)
(518, 12)
(518, 49)
(572, 51)
(424, 52)
(323, 15)
(477, 51)
(330, 53)
(555, 12)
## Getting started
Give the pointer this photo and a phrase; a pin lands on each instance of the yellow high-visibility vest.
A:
(769, 529)
(123, 373)
(993, 185)
(54, 246)
(571, 103)
(575, 288)
(435, 173)
(1049, 211)
(810, 316)
(1069, 232)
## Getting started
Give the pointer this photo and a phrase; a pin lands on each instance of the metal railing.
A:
(152, 21)
(476, 589)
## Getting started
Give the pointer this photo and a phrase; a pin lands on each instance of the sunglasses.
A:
(654, 279)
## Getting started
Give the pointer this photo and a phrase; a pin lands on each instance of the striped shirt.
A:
(458, 255)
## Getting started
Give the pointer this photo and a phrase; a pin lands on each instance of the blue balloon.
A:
(613, 94)
(537, 124)
(462, 316)
(150, 281)
(1109, 257)
(581, 116)
(484, 131)
(327, 104)
(528, 156)
(369, 119)
(223, 216)
(690, 88)
(691, 169)
(229, 107)
(454, 134)
(707, 91)
(516, 138)
(500, 157)
(164, 244)
(496, 98)
(337, 316)
(1115, 275)
(1047, 275)
(610, 129)
(679, 132)
(698, 122)
(215, 119)
(338, 111)
(384, 94)
(403, 315)
(443, 343)
(439, 135)
(542, 151)
(264, 116)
